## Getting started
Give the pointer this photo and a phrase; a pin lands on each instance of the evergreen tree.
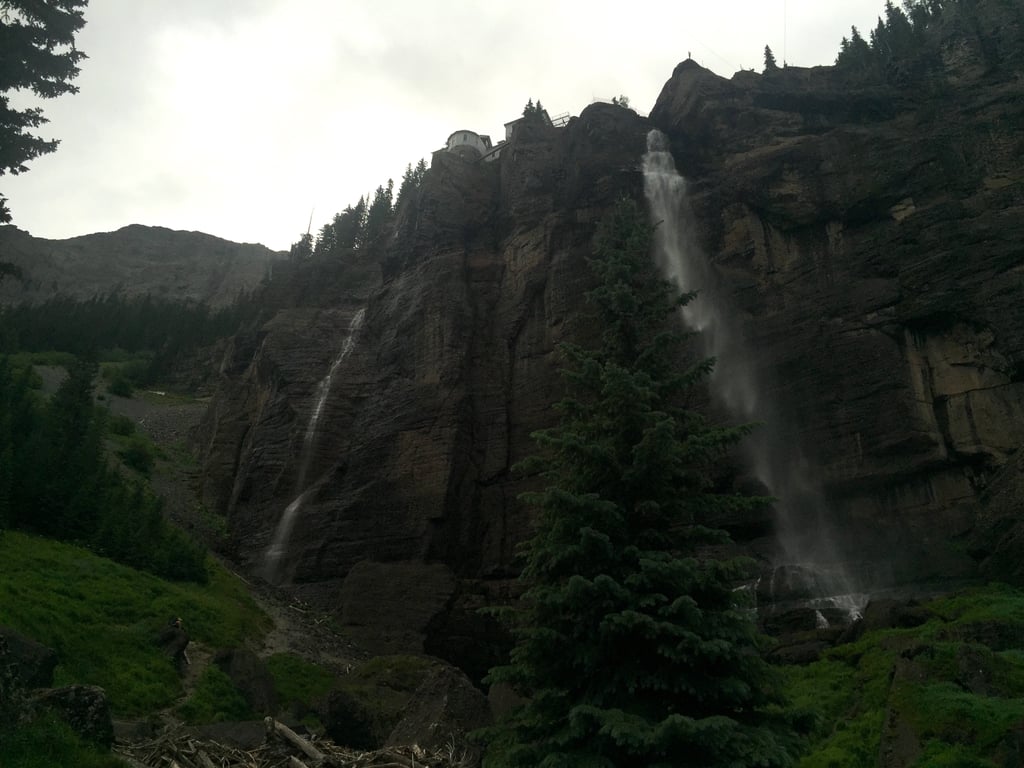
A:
(411, 181)
(855, 53)
(37, 54)
(378, 215)
(350, 227)
(405, 188)
(633, 647)
(769, 60)
(326, 241)
(303, 249)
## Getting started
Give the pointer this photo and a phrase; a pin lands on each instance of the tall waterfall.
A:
(805, 538)
(282, 535)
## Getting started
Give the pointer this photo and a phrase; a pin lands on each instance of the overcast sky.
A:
(241, 117)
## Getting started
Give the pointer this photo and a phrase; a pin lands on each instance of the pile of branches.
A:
(283, 748)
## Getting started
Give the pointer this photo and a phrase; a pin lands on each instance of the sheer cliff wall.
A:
(868, 235)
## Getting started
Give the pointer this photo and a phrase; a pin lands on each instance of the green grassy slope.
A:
(103, 618)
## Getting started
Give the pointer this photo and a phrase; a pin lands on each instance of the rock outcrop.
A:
(867, 236)
(26, 672)
(454, 367)
(869, 239)
(27, 664)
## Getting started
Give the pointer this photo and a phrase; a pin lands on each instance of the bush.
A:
(120, 425)
(120, 386)
(46, 742)
(215, 700)
(298, 681)
(138, 454)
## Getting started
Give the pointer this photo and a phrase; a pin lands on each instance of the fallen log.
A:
(294, 739)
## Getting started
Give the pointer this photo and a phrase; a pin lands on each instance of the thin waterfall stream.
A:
(282, 534)
(808, 563)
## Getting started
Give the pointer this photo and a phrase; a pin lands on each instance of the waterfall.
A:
(802, 526)
(279, 544)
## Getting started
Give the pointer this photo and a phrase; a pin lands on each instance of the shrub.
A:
(46, 742)
(215, 700)
(120, 386)
(138, 454)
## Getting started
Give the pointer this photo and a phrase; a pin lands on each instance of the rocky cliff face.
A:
(409, 500)
(134, 260)
(870, 241)
(867, 236)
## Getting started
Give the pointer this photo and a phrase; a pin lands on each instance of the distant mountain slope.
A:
(136, 260)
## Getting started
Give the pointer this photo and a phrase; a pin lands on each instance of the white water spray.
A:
(282, 535)
(803, 531)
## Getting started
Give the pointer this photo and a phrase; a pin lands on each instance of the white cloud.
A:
(238, 118)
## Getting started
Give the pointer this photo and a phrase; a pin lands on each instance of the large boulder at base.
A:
(250, 676)
(84, 708)
(389, 606)
(443, 710)
(32, 663)
(348, 721)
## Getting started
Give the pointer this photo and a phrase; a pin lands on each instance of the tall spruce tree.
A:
(633, 647)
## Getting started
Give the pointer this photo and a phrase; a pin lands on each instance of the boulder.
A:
(388, 606)
(892, 613)
(250, 675)
(83, 707)
(31, 663)
(349, 721)
(442, 711)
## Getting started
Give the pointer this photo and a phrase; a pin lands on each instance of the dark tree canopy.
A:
(901, 49)
(57, 478)
(633, 646)
(37, 54)
(769, 60)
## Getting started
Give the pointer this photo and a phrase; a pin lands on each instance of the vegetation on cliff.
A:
(901, 48)
(948, 692)
(361, 225)
(633, 645)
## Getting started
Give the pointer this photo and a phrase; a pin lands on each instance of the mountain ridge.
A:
(134, 260)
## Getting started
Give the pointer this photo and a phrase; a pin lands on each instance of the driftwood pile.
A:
(283, 748)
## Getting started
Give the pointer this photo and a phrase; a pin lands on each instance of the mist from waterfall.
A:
(773, 449)
(283, 532)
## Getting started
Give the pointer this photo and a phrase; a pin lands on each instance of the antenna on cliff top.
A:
(785, 26)
(309, 226)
